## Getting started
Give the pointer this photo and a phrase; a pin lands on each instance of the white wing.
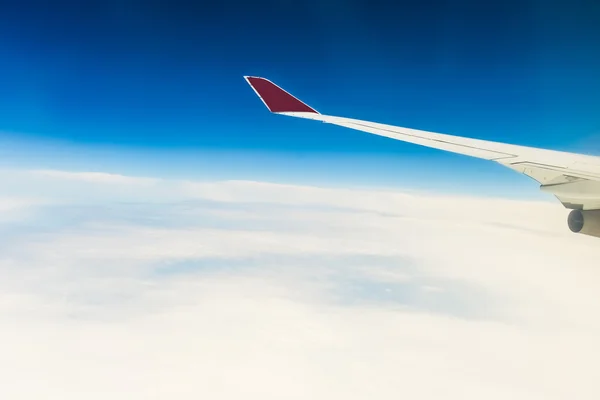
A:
(573, 178)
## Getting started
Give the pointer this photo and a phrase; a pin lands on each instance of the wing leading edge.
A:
(573, 178)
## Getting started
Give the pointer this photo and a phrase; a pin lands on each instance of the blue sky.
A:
(157, 88)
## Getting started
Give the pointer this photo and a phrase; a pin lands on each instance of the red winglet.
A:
(275, 98)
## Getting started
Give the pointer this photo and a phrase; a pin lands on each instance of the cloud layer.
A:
(138, 288)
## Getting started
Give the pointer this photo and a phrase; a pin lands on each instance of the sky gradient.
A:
(157, 87)
(163, 236)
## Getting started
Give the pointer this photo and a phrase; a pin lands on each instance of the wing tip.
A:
(275, 98)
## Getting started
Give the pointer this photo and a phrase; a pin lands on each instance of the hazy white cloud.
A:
(174, 289)
(95, 177)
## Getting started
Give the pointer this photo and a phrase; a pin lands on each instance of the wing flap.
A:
(528, 160)
(469, 147)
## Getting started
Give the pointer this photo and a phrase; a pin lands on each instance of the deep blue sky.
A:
(160, 84)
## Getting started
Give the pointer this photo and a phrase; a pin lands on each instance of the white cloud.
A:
(247, 289)
(95, 177)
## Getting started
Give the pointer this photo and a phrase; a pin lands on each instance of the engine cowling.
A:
(586, 222)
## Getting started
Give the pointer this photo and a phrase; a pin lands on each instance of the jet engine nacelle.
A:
(586, 222)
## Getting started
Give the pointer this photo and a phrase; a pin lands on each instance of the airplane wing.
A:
(573, 178)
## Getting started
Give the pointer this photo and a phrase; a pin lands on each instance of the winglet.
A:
(275, 98)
